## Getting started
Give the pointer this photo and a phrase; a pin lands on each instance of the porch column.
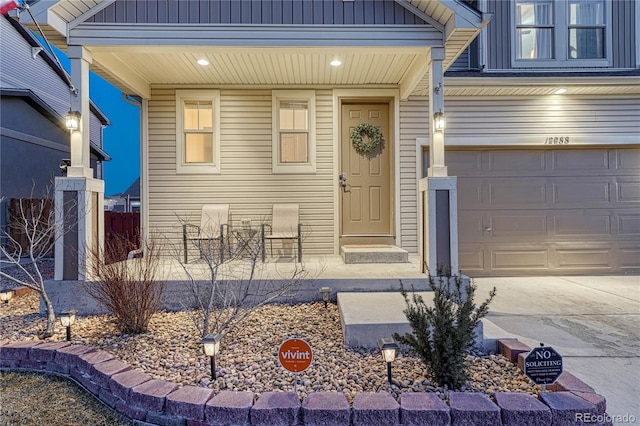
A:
(439, 194)
(79, 198)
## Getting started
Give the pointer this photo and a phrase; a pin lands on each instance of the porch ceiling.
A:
(177, 65)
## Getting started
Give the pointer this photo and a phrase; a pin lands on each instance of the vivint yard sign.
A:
(295, 355)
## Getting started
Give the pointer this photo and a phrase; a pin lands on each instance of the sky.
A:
(121, 137)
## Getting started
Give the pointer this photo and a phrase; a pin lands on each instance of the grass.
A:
(41, 399)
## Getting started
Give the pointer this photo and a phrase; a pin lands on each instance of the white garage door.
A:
(535, 211)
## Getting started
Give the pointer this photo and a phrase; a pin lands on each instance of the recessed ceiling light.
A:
(336, 63)
(203, 62)
(561, 91)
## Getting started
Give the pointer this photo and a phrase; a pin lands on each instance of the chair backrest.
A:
(213, 216)
(285, 219)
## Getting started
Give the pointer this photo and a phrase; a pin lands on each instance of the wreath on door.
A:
(371, 132)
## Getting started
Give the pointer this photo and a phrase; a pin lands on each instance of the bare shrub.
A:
(131, 290)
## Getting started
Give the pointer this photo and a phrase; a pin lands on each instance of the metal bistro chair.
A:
(214, 225)
(285, 225)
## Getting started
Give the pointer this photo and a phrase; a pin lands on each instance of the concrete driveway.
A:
(592, 321)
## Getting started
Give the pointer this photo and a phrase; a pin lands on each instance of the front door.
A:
(366, 180)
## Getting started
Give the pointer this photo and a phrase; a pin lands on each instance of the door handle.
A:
(343, 179)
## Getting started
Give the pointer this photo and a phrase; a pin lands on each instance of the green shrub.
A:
(443, 333)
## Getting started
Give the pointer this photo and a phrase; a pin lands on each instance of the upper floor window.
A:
(197, 131)
(561, 33)
(293, 131)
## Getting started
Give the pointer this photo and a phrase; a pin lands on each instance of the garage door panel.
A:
(584, 259)
(628, 160)
(629, 224)
(519, 259)
(580, 160)
(466, 163)
(628, 191)
(577, 223)
(519, 224)
(471, 255)
(525, 193)
(628, 258)
(587, 193)
(520, 161)
(470, 190)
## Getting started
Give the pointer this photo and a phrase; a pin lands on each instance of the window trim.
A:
(197, 95)
(293, 95)
(561, 37)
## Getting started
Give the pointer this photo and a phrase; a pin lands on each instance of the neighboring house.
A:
(34, 101)
(252, 103)
(128, 201)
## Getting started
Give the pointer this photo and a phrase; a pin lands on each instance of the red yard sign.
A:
(295, 355)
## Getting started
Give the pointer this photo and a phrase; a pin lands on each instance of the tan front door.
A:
(366, 189)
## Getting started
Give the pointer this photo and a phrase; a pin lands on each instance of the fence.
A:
(36, 216)
(121, 234)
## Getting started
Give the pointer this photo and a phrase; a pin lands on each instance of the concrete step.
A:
(366, 317)
(373, 253)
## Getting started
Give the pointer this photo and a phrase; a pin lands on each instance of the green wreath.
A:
(372, 132)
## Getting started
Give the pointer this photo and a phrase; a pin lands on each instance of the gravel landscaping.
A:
(247, 361)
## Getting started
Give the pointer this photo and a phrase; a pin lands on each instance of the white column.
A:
(79, 198)
(80, 139)
(438, 191)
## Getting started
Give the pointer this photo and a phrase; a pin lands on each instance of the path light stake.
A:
(67, 319)
(325, 292)
(6, 295)
(389, 348)
(210, 347)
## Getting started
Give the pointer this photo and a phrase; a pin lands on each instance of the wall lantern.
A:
(439, 122)
(72, 120)
(389, 349)
(211, 347)
(6, 295)
(67, 319)
(325, 292)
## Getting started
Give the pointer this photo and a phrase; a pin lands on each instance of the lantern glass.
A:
(5, 296)
(211, 344)
(72, 120)
(325, 292)
(439, 121)
(67, 318)
(389, 349)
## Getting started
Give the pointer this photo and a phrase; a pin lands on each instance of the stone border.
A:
(138, 396)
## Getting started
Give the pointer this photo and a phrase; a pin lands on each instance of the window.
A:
(293, 131)
(197, 131)
(561, 33)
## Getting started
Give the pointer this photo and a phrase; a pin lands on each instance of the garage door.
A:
(564, 211)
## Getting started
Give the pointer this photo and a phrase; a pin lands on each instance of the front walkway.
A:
(592, 321)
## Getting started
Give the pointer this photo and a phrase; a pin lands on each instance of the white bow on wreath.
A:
(372, 132)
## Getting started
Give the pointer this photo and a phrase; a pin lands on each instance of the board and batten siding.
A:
(623, 32)
(319, 12)
(246, 181)
(530, 120)
(414, 124)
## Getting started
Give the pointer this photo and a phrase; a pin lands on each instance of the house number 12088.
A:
(557, 140)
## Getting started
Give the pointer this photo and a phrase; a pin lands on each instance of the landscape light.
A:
(389, 348)
(211, 347)
(325, 292)
(6, 295)
(67, 319)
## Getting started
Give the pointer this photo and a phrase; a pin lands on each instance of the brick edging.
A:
(138, 396)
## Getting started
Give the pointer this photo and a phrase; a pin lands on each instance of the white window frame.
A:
(308, 96)
(561, 37)
(183, 167)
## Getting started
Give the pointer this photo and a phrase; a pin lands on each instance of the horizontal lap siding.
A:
(245, 181)
(413, 124)
(365, 12)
